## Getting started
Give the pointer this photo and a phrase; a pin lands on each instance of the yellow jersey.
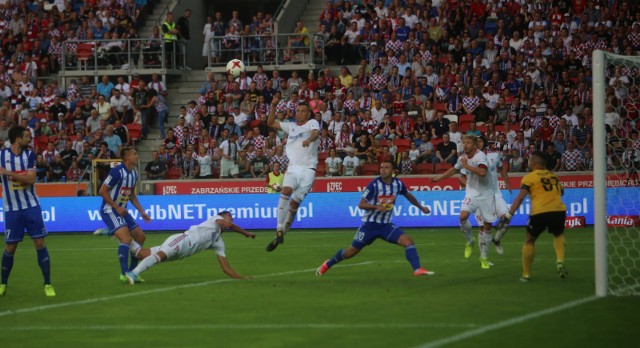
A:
(545, 190)
(274, 179)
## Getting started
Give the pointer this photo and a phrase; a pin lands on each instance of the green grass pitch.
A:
(372, 300)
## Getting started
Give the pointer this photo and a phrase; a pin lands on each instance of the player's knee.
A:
(405, 240)
(10, 248)
(39, 243)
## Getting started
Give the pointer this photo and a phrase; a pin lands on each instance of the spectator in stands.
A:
(446, 151)
(572, 158)
(299, 41)
(351, 163)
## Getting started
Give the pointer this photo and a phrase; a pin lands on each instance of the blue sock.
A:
(123, 257)
(7, 265)
(339, 256)
(134, 262)
(45, 264)
(412, 256)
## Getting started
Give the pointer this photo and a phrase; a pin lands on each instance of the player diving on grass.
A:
(548, 212)
(116, 192)
(494, 163)
(479, 196)
(377, 201)
(302, 151)
(207, 235)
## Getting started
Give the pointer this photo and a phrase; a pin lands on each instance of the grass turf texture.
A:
(372, 300)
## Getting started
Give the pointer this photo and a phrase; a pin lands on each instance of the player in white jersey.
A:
(494, 164)
(479, 196)
(302, 151)
(207, 235)
(22, 210)
(116, 191)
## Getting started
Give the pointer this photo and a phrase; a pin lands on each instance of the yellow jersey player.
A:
(547, 212)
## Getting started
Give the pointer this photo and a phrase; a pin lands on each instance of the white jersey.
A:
(207, 235)
(477, 186)
(299, 155)
(494, 163)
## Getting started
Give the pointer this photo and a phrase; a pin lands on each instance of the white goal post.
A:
(608, 280)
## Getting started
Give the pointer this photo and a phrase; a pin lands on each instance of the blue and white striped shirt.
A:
(121, 182)
(18, 196)
(379, 193)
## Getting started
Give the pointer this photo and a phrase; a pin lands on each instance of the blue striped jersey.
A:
(18, 196)
(379, 193)
(121, 183)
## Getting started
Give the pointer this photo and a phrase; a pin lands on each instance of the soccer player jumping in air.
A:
(377, 201)
(302, 150)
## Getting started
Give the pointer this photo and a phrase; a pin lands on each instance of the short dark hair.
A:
(15, 133)
(125, 151)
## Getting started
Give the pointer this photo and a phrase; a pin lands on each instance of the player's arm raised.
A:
(271, 120)
(224, 224)
(136, 203)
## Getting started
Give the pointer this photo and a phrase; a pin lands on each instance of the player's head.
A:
(226, 215)
(20, 135)
(303, 112)
(469, 143)
(129, 155)
(387, 167)
(538, 160)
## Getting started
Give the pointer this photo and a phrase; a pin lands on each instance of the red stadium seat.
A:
(370, 169)
(402, 144)
(254, 123)
(436, 141)
(500, 128)
(320, 169)
(135, 132)
(424, 168)
(322, 156)
(41, 143)
(173, 173)
(442, 167)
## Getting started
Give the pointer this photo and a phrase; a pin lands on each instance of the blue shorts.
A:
(114, 221)
(16, 222)
(370, 231)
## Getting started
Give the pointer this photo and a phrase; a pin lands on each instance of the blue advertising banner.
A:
(319, 210)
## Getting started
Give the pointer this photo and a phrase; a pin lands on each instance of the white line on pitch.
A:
(154, 291)
(505, 323)
(320, 326)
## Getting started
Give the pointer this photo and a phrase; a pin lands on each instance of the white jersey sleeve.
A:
(298, 154)
(493, 163)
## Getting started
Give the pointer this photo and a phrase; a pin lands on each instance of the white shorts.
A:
(301, 180)
(177, 247)
(501, 208)
(228, 168)
(485, 208)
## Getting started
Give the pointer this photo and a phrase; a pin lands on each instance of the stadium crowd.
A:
(517, 72)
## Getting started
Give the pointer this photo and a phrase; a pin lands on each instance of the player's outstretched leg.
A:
(148, 262)
(411, 253)
(342, 254)
(283, 211)
(465, 227)
(501, 230)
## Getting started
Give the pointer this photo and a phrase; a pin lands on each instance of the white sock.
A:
(291, 214)
(484, 240)
(147, 263)
(155, 249)
(465, 226)
(283, 210)
(134, 248)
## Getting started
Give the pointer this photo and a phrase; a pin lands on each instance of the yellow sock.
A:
(528, 252)
(558, 246)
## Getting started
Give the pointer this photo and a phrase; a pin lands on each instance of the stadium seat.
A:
(452, 117)
(83, 53)
(436, 141)
(135, 132)
(402, 144)
(322, 156)
(424, 168)
(384, 142)
(173, 173)
(500, 128)
(482, 129)
(41, 142)
(439, 106)
(467, 118)
(442, 167)
(370, 169)
(320, 169)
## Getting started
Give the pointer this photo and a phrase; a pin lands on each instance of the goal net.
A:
(616, 161)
